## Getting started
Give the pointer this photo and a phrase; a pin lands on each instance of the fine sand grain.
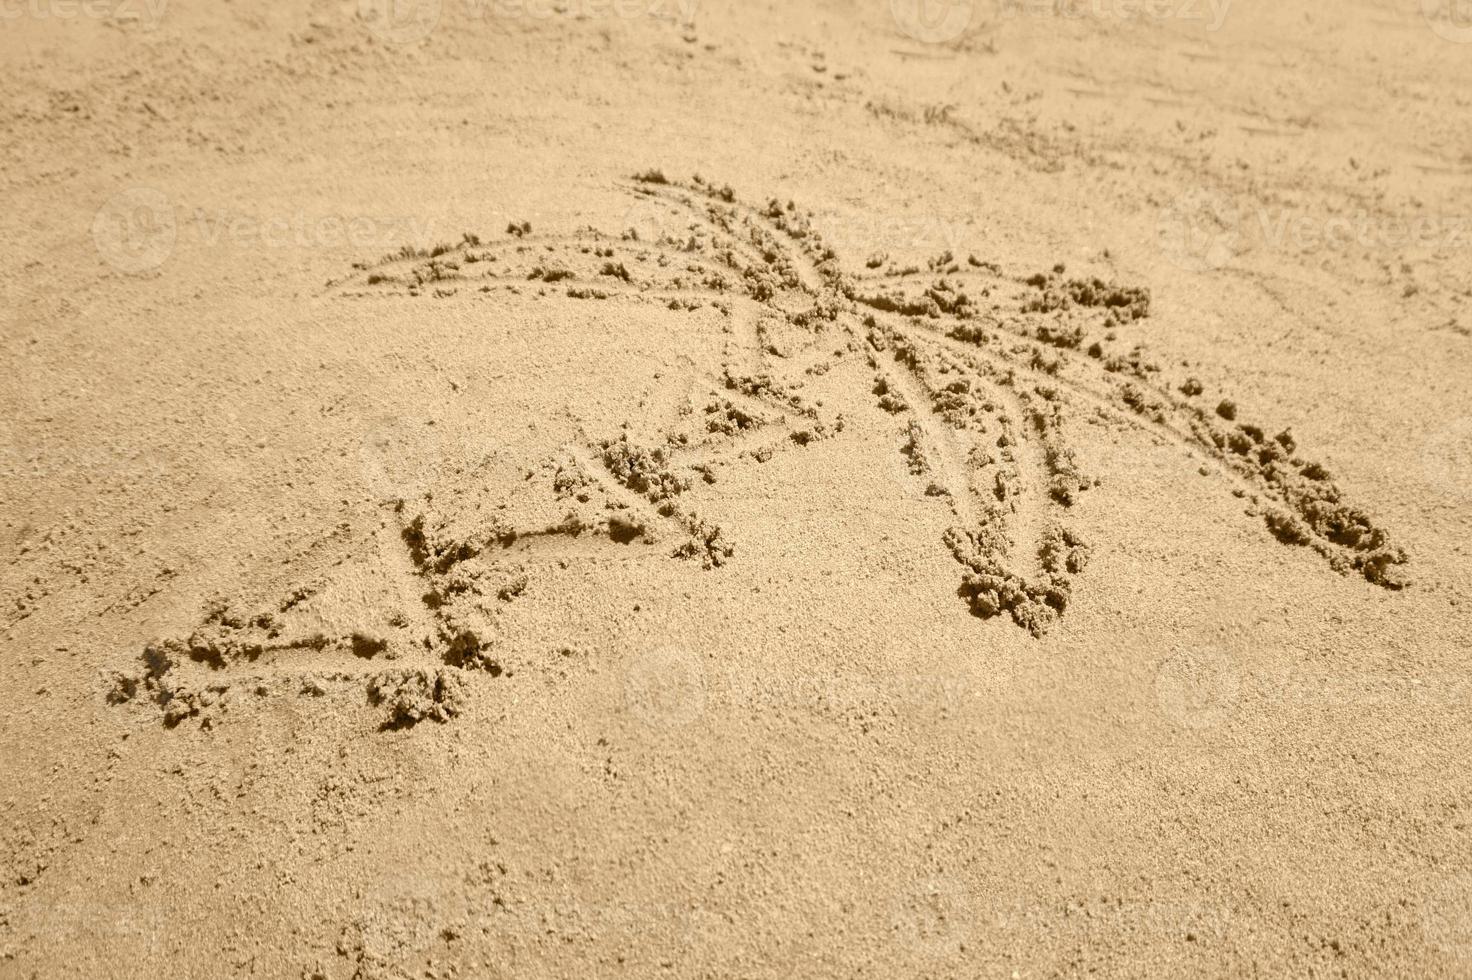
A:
(930, 488)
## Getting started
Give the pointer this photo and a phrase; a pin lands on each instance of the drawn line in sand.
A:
(984, 373)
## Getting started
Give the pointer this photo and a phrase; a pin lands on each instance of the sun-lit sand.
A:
(495, 488)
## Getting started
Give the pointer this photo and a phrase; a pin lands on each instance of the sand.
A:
(674, 488)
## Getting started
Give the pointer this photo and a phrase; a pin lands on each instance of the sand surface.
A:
(685, 488)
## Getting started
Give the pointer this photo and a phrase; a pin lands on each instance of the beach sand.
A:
(692, 489)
